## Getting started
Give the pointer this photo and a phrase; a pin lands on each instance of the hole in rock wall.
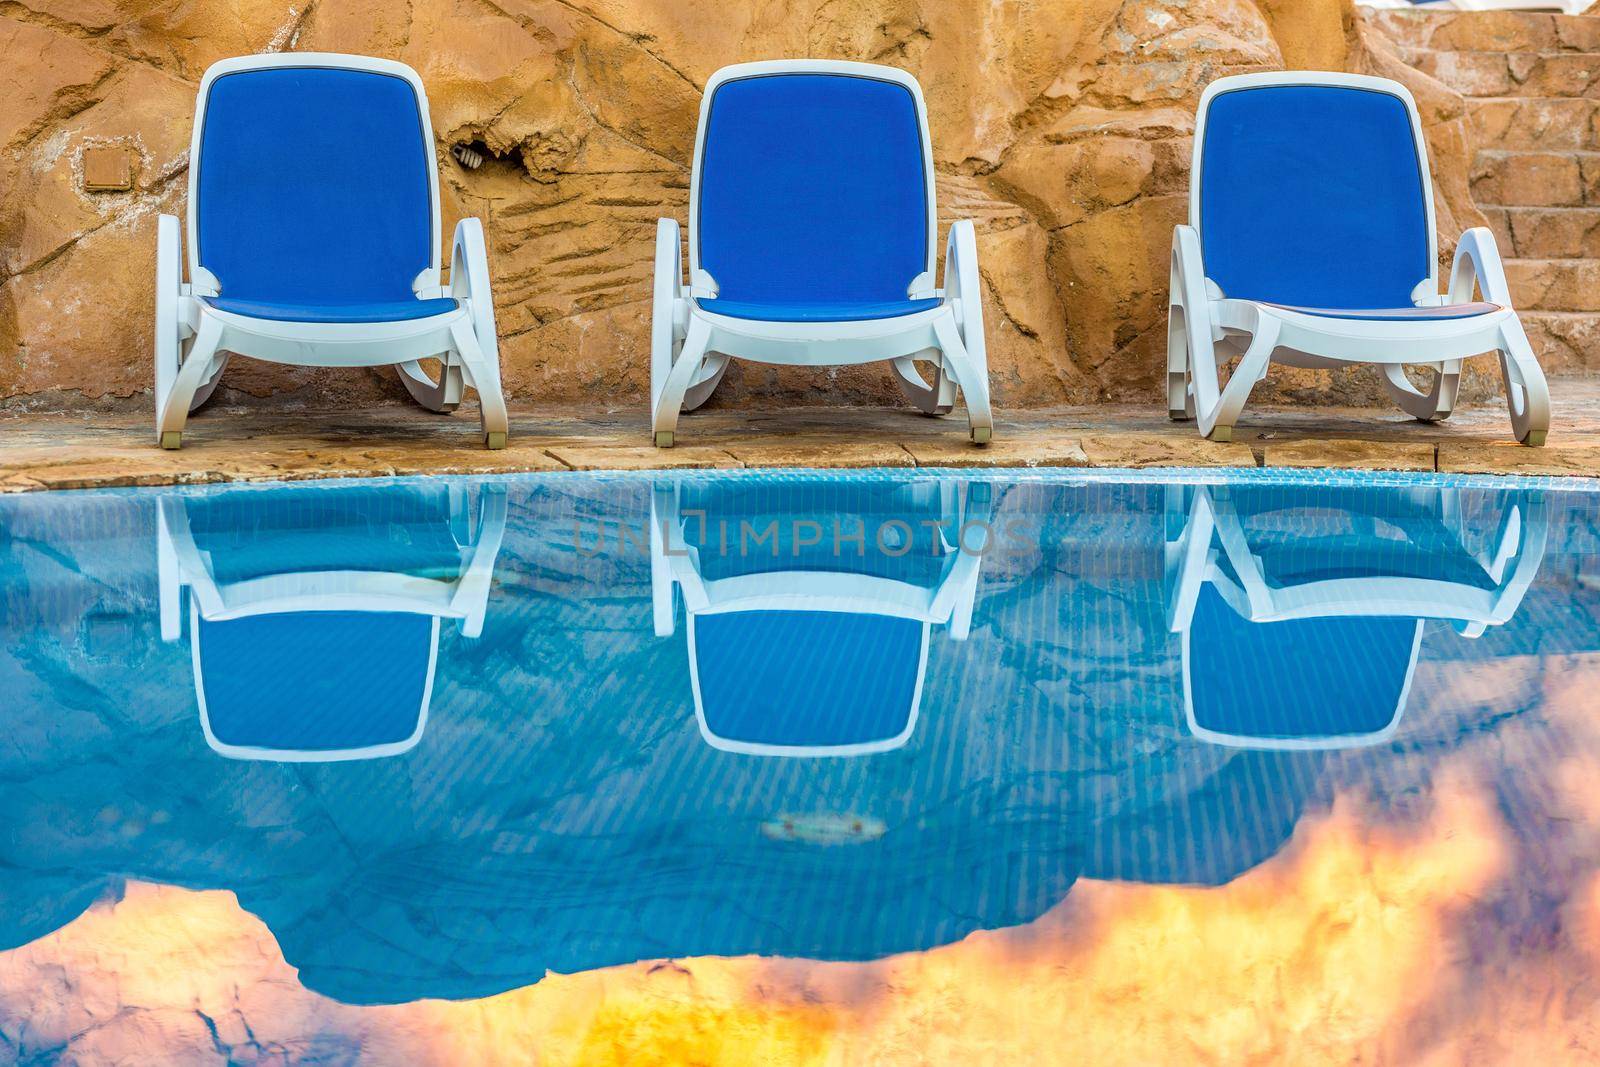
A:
(476, 155)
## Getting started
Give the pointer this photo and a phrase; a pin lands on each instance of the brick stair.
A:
(1532, 83)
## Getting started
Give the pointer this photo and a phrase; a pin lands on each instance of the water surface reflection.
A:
(443, 737)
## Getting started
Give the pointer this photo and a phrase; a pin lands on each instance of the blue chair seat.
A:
(1405, 314)
(826, 312)
(868, 510)
(387, 311)
(254, 535)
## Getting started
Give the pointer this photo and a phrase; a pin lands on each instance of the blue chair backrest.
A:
(315, 681)
(314, 186)
(813, 189)
(1312, 195)
(1300, 679)
(821, 679)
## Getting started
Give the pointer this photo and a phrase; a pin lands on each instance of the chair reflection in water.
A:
(809, 604)
(313, 614)
(1301, 625)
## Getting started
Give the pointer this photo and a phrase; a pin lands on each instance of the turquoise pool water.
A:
(443, 737)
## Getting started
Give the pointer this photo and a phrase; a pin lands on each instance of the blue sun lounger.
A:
(313, 614)
(812, 233)
(1311, 242)
(313, 226)
(809, 649)
(1308, 638)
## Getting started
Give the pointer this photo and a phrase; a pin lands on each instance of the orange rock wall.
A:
(1061, 126)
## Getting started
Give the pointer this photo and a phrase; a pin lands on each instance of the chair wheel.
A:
(664, 438)
(982, 435)
(494, 440)
(172, 439)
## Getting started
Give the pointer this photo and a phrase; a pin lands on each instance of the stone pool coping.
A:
(83, 451)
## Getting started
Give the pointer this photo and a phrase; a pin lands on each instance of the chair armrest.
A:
(1478, 260)
(663, 525)
(468, 250)
(669, 260)
(1189, 274)
(169, 241)
(962, 235)
(169, 579)
(1531, 545)
(469, 283)
(669, 254)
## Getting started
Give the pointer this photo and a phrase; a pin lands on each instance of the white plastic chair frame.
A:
(1206, 328)
(181, 564)
(690, 347)
(193, 341)
(1213, 531)
(674, 563)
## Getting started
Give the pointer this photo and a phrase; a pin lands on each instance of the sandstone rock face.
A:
(1061, 126)
(1528, 84)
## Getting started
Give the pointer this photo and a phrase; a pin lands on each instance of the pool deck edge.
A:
(96, 450)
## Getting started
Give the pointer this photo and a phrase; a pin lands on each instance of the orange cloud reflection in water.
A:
(1324, 954)
(1433, 938)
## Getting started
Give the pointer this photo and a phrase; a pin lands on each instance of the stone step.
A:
(1536, 179)
(1550, 125)
(1524, 74)
(1566, 341)
(1490, 31)
(1554, 284)
(1546, 232)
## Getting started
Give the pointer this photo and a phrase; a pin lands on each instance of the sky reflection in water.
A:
(1259, 767)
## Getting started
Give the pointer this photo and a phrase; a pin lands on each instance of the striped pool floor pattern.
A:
(1113, 687)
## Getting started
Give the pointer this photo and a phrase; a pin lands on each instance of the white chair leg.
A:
(669, 310)
(444, 395)
(1527, 392)
(171, 344)
(1431, 406)
(973, 380)
(209, 386)
(172, 410)
(1180, 397)
(1217, 417)
(666, 405)
(483, 374)
(936, 399)
(1191, 345)
(964, 348)
(169, 298)
(477, 343)
(706, 382)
